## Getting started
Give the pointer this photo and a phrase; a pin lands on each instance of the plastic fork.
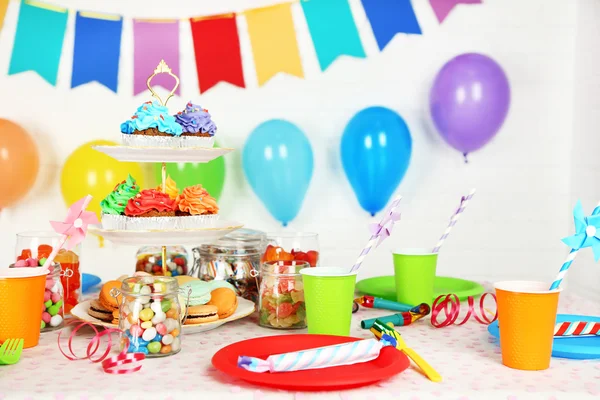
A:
(10, 352)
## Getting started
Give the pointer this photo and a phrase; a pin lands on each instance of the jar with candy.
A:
(149, 259)
(38, 246)
(282, 295)
(150, 316)
(233, 258)
(300, 246)
(53, 303)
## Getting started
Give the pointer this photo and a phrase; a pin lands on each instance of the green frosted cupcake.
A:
(113, 206)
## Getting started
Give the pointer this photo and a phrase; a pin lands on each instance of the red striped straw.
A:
(463, 204)
(577, 328)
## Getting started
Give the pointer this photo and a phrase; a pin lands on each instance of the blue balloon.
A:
(278, 163)
(376, 148)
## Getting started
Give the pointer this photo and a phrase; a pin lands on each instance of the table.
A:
(466, 356)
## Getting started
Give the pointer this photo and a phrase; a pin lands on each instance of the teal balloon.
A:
(278, 163)
(210, 175)
(376, 149)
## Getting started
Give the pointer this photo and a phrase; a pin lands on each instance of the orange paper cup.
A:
(526, 319)
(22, 296)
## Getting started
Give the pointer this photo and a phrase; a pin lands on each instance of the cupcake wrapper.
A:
(122, 222)
(165, 141)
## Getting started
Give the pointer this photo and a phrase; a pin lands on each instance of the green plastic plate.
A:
(385, 287)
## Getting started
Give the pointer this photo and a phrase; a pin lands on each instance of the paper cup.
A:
(526, 319)
(414, 273)
(328, 294)
(22, 296)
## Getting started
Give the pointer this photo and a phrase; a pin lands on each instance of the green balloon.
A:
(210, 175)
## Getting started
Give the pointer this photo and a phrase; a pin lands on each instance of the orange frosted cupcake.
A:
(196, 207)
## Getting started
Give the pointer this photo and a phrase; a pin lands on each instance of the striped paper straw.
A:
(565, 267)
(374, 238)
(577, 328)
(463, 204)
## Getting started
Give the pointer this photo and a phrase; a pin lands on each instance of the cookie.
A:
(115, 316)
(201, 314)
(106, 299)
(225, 300)
(96, 310)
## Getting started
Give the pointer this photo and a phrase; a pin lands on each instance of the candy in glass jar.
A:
(150, 316)
(149, 259)
(282, 295)
(298, 246)
(38, 246)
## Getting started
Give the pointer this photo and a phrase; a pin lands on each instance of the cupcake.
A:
(197, 126)
(150, 209)
(151, 125)
(170, 188)
(113, 206)
(196, 208)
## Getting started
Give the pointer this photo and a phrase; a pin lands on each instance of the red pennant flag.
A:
(217, 50)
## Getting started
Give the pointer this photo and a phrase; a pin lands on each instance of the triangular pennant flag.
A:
(389, 17)
(442, 8)
(3, 8)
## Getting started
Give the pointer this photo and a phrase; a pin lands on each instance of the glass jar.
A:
(282, 295)
(38, 245)
(298, 246)
(149, 316)
(149, 259)
(233, 258)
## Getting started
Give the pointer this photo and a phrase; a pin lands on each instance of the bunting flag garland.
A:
(442, 8)
(273, 40)
(216, 38)
(155, 40)
(3, 8)
(97, 49)
(389, 17)
(332, 29)
(41, 30)
(39, 40)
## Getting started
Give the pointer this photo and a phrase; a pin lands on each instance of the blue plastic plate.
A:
(578, 348)
(88, 282)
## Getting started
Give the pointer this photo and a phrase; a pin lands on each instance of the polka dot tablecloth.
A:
(466, 357)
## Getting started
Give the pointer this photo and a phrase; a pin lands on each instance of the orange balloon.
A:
(19, 162)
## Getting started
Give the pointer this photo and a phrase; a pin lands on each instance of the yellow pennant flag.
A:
(273, 40)
(3, 7)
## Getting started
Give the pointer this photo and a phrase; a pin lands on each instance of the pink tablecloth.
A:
(465, 356)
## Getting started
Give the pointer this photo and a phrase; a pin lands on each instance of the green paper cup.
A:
(414, 272)
(328, 294)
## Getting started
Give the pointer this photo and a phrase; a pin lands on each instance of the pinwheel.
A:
(587, 234)
(74, 228)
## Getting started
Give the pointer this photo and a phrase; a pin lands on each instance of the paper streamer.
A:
(217, 50)
(332, 29)
(109, 365)
(3, 8)
(442, 8)
(154, 41)
(39, 40)
(97, 49)
(389, 17)
(273, 40)
(449, 304)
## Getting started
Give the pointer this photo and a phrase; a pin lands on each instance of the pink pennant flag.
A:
(442, 8)
(154, 41)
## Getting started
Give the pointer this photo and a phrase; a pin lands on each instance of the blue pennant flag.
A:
(39, 40)
(389, 17)
(97, 49)
(332, 30)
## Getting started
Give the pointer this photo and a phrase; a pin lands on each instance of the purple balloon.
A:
(469, 101)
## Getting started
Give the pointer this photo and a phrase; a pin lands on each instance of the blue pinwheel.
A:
(587, 234)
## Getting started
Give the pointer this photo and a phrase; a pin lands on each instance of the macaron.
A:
(200, 290)
(201, 314)
(225, 300)
(96, 310)
(106, 299)
(183, 279)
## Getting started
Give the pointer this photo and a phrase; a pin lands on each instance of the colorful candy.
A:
(151, 262)
(281, 299)
(276, 253)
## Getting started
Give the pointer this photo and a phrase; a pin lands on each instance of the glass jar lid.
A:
(242, 242)
(157, 284)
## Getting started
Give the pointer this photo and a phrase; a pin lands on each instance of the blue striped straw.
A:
(463, 204)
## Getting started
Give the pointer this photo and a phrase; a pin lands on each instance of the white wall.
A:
(512, 227)
(585, 274)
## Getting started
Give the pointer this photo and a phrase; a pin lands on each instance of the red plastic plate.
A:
(389, 363)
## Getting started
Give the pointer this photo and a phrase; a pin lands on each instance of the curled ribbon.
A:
(381, 230)
(109, 365)
(450, 305)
